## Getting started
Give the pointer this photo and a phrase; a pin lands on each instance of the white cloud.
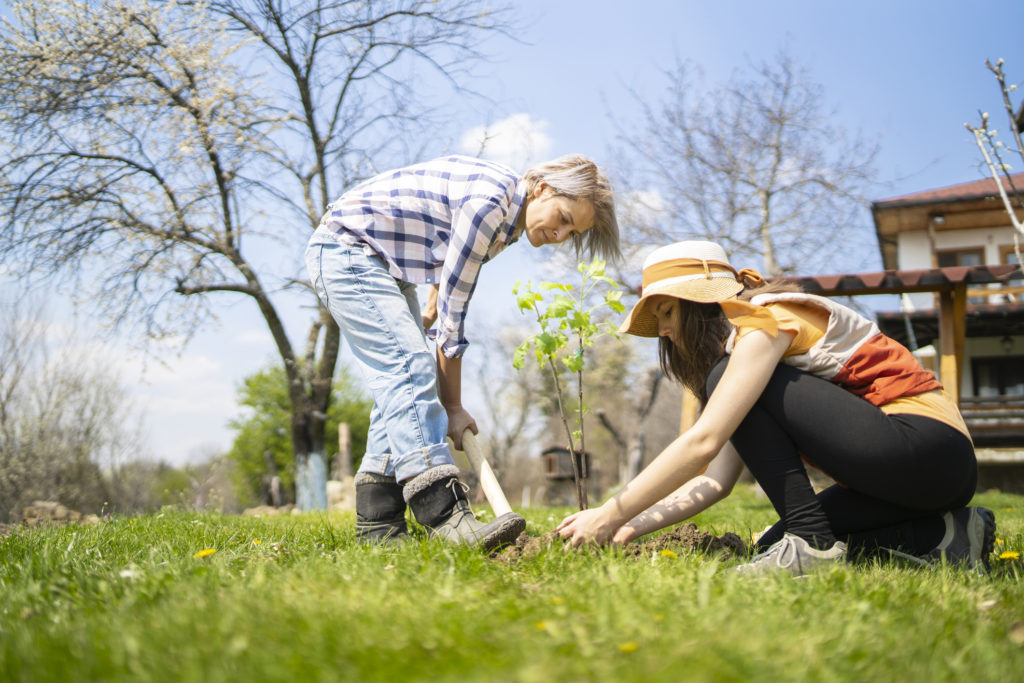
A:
(188, 399)
(517, 141)
(643, 206)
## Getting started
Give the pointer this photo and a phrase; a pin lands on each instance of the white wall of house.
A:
(914, 251)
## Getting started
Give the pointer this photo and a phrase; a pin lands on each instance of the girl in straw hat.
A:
(788, 377)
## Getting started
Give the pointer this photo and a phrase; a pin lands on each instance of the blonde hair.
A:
(577, 177)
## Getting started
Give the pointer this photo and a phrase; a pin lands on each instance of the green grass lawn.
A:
(295, 599)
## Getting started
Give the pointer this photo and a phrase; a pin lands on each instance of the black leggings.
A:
(898, 473)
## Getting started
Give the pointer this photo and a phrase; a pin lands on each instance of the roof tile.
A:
(985, 187)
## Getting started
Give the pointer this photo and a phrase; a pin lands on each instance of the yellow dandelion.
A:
(555, 600)
(668, 553)
(205, 552)
(1009, 555)
(628, 646)
(541, 625)
(999, 541)
(255, 541)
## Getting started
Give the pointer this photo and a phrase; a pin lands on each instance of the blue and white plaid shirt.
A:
(435, 222)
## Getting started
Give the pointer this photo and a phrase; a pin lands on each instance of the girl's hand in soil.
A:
(594, 526)
(624, 534)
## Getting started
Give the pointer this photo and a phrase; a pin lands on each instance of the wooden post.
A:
(952, 327)
(959, 332)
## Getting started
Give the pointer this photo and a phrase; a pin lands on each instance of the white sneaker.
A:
(794, 555)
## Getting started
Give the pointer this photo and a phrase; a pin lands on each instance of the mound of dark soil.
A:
(526, 546)
(685, 538)
(688, 538)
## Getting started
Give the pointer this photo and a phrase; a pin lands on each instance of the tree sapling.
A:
(568, 315)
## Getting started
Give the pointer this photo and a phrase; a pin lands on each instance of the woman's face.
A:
(552, 219)
(666, 310)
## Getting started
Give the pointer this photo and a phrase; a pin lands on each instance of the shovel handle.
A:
(482, 469)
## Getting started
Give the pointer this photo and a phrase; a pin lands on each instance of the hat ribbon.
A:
(682, 267)
(750, 277)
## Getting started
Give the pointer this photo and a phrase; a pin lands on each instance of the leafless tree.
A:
(144, 157)
(66, 422)
(756, 165)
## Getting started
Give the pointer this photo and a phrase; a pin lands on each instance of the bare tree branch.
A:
(754, 165)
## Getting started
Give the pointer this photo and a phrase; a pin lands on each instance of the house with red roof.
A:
(964, 231)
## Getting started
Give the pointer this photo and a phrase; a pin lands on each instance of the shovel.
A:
(472, 459)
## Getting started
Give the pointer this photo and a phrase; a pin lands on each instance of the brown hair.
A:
(577, 177)
(703, 331)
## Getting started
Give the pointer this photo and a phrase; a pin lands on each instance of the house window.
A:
(1015, 286)
(1007, 254)
(998, 376)
(962, 257)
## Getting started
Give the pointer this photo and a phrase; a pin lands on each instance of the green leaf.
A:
(547, 343)
(575, 361)
(527, 300)
(560, 306)
(548, 286)
(519, 355)
(579, 320)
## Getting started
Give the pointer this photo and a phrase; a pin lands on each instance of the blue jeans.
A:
(379, 317)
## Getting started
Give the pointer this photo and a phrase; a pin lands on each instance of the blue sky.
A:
(908, 73)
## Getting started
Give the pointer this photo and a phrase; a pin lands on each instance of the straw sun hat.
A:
(694, 270)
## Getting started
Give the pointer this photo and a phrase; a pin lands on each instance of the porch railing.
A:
(994, 420)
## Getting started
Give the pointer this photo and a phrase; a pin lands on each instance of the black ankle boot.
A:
(438, 500)
(380, 509)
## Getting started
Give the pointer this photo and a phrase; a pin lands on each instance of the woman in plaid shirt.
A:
(436, 223)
